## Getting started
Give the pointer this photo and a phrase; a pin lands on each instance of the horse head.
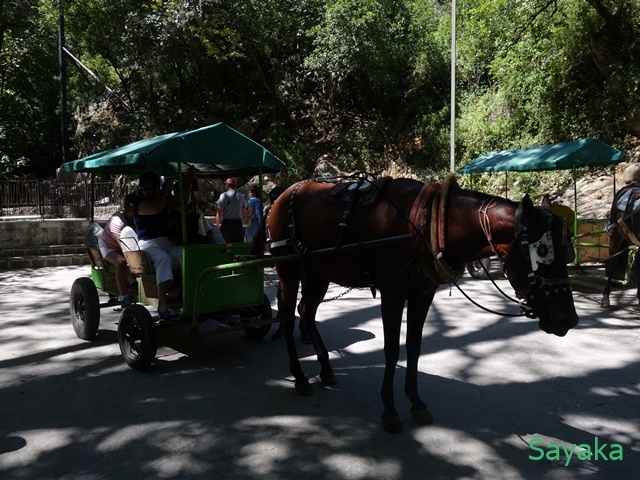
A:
(536, 267)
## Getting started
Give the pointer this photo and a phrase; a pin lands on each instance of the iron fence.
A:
(51, 198)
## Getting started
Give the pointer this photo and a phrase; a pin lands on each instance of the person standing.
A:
(252, 212)
(229, 214)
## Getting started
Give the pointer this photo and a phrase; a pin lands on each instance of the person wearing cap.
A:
(229, 214)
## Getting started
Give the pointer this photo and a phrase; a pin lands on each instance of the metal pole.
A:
(506, 184)
(453, 85)
(62, 66)
(93, 196)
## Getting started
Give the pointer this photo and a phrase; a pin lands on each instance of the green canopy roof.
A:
(216, 151)
(580, 153)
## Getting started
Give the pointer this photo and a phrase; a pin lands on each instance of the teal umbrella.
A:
(216, 151)
(587, 152)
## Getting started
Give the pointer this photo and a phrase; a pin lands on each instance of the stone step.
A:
(43, 256)
(42, 250)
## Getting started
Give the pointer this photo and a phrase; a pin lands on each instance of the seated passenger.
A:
(150, 216)
(211, 232)
(110, 248)
(199, 230)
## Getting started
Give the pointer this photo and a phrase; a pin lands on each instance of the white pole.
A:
(453, 85)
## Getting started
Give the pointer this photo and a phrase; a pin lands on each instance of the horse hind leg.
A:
(615, 265)
(314, 288)
(605, 302)
(636, 269)
(289, 274)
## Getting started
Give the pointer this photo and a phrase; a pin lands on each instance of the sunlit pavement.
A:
(224, 407)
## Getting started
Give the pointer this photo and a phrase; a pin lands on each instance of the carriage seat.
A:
(138, 261)
(90, 241)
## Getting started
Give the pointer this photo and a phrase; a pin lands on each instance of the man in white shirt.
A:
(229, 214)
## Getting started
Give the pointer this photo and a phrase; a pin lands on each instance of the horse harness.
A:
(364, 191)
(429, 208)
(623, 213)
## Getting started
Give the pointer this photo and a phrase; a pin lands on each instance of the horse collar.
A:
(423, 201)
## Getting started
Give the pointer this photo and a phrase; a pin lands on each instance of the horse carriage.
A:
(213, 284)
(400, 237)
(590, 237)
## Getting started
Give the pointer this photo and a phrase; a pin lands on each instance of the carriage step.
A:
(43, 256)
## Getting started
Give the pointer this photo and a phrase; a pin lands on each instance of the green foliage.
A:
(355, 82)
(29, 133)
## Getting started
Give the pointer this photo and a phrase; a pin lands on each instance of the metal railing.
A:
(51, 198)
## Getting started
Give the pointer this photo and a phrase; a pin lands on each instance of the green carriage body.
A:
(214, 281)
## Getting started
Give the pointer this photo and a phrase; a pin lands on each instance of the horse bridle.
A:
(550, 286)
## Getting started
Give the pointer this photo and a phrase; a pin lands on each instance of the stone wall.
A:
(28, 232)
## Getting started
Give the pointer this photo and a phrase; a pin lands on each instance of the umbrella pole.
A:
(506, 184)
(261, 185)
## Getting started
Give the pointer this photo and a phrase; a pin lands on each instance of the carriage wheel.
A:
(476, 271)
(84, 307)
(262, 330)
(137, 337)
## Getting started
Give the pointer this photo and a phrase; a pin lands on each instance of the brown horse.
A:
(624, 230)
(413, 238)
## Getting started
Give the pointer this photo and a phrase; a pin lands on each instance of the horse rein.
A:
(521, 236)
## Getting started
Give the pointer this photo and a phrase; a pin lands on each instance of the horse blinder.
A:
(540, 252)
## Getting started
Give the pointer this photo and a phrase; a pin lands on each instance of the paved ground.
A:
(224, 407)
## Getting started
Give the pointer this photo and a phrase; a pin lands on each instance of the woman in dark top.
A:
(151, 217)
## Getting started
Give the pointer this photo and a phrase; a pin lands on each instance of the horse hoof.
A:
(328, 379)
(605, 304)
(392, 424)
(304, 389)
(422, 416)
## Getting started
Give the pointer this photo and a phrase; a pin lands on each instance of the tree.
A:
(29, 130)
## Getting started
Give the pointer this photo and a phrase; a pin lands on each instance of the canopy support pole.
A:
(183, 206)
(93, 196)
(576, 259)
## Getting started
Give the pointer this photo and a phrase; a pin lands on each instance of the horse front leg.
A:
(392, 305)
(417, 309)
(289, 274)
(314, 288)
